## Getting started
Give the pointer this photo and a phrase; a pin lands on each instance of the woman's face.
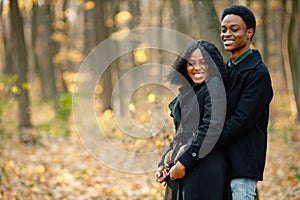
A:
(196, 67)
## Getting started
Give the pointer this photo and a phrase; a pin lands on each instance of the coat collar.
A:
(250, 62)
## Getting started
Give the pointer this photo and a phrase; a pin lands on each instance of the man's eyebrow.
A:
(231, 25)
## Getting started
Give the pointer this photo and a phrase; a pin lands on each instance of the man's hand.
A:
(177, 171)
(161, 174)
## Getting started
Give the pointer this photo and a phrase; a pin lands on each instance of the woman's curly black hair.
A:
(212, 56)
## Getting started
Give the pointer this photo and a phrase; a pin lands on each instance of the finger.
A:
(158, 174)
(161, 179)
(165, 173)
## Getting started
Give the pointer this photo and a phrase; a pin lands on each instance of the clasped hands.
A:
(176, 172)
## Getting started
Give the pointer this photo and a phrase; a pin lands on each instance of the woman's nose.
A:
(198, 66)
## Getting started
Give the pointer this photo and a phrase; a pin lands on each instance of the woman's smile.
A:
(196, 67)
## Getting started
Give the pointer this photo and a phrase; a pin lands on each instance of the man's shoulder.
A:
(254, 62)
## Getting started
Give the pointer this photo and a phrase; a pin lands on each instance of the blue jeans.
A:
(243, 189)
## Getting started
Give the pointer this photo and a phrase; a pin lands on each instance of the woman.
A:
(190, 168)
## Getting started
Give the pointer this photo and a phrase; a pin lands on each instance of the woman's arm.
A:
(213, 110)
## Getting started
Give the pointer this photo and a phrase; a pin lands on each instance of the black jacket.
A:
(196, 116)
(245, 131)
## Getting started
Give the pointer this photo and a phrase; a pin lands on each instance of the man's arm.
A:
(253, 101)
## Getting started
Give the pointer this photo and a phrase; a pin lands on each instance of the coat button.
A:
(194, 154)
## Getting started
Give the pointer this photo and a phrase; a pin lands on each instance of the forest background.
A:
(43, 43)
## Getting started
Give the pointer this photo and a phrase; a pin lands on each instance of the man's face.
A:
(235, 35)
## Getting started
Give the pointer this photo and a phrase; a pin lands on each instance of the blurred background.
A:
(44, 42)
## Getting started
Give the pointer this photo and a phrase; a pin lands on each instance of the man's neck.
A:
(235, 55)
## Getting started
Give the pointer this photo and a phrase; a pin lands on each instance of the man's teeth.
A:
(228, 41)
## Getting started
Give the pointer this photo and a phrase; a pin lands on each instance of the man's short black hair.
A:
(245, 13)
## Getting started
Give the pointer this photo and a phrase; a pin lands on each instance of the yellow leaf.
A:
(108, 113)
(122, 17)
(121, 34)
(109, 22)
(144, 117)
(42, 179)
(41, 169)
(59, 24)
(140, 56)
(10, 164)
(132, 107)
(59, 179)
(139, 142)
(25, 86)
(158, 142)
(14, 89)
(75, 56)
(151, 97)
(89, 5)
(58, 37)
(115, 188)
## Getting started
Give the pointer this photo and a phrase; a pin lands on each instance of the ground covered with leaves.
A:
(60, 168)
(57, 166)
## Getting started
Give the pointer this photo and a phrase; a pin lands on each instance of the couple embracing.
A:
(220, 115)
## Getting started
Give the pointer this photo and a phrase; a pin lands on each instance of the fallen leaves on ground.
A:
(60, 168)
(282, 173)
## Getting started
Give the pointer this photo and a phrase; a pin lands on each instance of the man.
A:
(249, 94)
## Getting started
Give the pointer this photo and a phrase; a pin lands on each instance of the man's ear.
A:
(250, 33)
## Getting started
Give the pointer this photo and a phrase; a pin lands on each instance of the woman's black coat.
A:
(195, 120)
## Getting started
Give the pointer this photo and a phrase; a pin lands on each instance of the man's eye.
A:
(234, 30)
(223, 31)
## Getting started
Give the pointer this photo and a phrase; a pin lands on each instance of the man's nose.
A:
(226, 33)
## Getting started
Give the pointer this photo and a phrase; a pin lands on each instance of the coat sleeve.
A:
(253, 101)
(213, 111)
(163, 158)
(171, 145)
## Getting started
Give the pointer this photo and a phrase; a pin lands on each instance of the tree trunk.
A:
(7, 47)
(180, 22)
(89, 29)
(286, 41)
(264, 27)
(52, 50)
(45, 65)
(20, 64)
(62, 67)
(102, 34)
(208, 22)
(34, 26)
(293, 49)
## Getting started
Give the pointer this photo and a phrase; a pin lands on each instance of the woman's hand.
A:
(161, 174)
(177, 171)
